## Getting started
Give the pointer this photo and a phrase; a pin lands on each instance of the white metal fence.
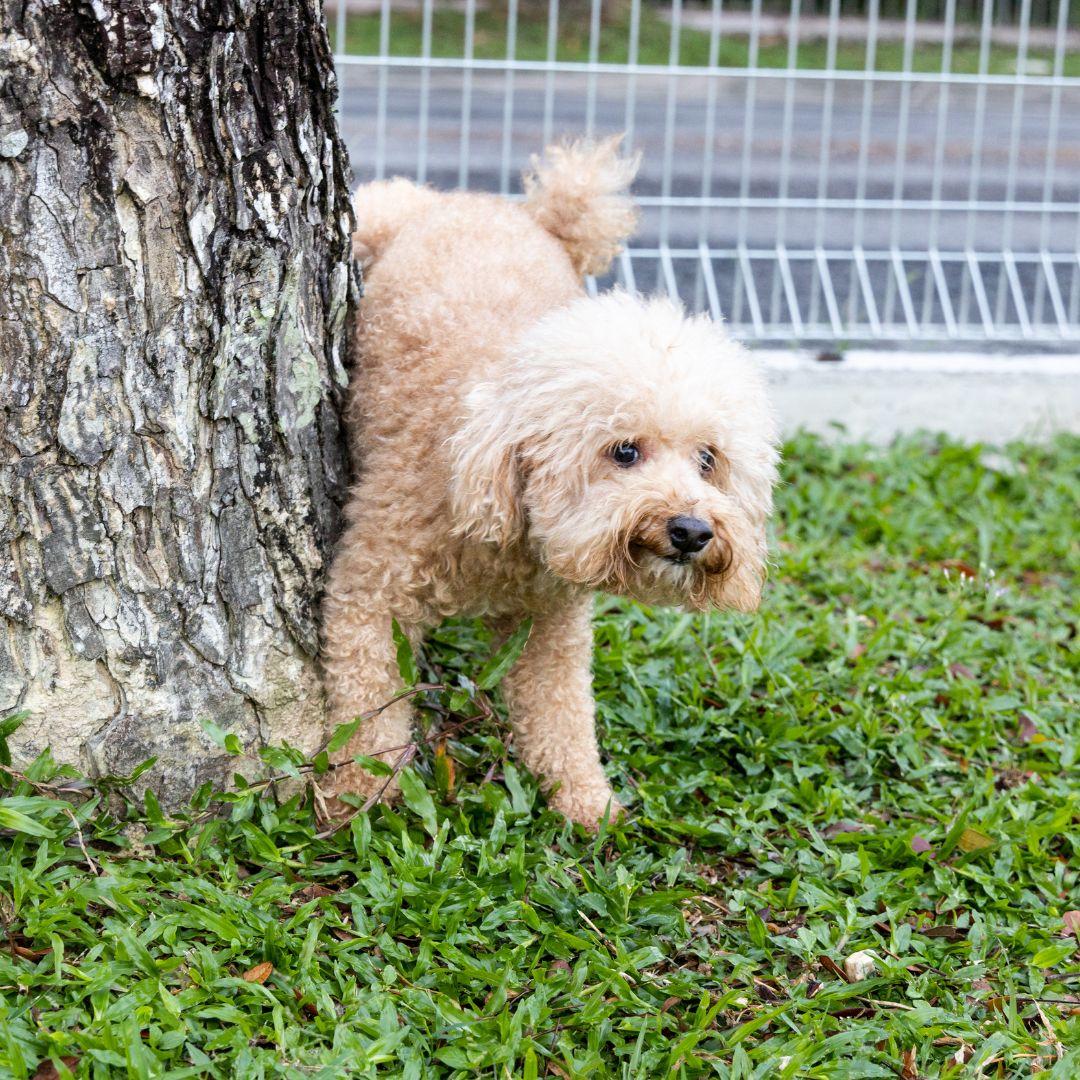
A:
(824, 177)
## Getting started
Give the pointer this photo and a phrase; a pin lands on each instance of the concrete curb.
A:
(878, 395)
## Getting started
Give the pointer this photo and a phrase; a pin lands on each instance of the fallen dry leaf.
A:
(950, 933)
(838, 827)
(830, 964)
(996, 622)
(259, 973)
(959, 567)
(973, 840)
(909, 1069)
(48, 1071)
(1013, 778)
(311, 892)
(28, 954)
(921, 846)
(964, 1054)
(1026, 729)
(961, 671)
(444, 766)
(1071, 920)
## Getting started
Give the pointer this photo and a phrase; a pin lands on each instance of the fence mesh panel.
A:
(888, 172)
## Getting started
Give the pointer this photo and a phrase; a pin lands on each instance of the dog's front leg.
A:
(549, 693)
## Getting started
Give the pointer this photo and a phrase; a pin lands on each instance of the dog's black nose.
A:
(688, 534)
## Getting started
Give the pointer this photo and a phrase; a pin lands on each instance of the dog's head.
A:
(631, 447)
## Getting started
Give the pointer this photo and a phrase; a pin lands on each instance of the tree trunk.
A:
(175, 281)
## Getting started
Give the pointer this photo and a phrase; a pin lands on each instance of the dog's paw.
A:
(588, 806)
(354, 780)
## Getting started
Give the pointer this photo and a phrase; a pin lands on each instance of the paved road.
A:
(1004, 164)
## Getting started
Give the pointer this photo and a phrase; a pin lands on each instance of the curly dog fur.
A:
(521, 445)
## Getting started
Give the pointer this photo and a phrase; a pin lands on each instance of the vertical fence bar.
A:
(508, 98)
(906, 305)
(1014, 149)
(466, 93)
(340, 31)
(710, 281)
(901, 150)
(869, 302)
(785, 154)
(631, 79)
(824, 158)
(1074, 292)
(939, 279)
(667, 270)
(1050, 170)
(864, 151)
(790, 292)
(976, 164)
(670, 114)
(380, 108)
(980, 294)
(425, 91)
(707, 154)
(594, 58)
(747, 274)
(940, 139)
(626, 265)
(1017, 292)
(831, 305)
(1055, 292)
(549, 78)
(742, 225)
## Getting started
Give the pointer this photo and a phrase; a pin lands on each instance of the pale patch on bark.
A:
(70, 699)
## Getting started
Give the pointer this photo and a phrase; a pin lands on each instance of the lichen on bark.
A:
(175, 282)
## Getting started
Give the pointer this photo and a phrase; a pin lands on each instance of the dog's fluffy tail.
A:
(578, 194)
(381, 210)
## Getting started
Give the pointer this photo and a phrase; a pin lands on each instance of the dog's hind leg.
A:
(549, 693)
(360, 669)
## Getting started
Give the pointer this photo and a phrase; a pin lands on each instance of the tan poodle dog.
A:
(521, 445)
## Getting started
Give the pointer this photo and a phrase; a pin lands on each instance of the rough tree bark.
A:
(174, 286)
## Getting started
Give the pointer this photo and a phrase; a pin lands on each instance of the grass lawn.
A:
(884, 760)
(654, 47)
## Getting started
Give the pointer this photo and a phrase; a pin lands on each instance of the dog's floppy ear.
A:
(486, 473)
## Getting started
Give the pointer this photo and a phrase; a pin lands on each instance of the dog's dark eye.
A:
(626, 454)
(706, 461)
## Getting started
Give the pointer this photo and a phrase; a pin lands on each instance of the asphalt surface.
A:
(861, 133)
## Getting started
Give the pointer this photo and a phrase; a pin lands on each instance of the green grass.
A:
(884, 759)
(573, 44)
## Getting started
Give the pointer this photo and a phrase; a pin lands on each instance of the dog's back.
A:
(577, 195)
(451, 280)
